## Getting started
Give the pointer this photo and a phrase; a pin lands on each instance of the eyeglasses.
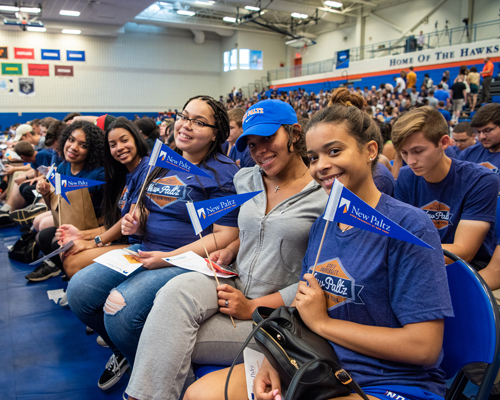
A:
(195, 123)
(486, 131)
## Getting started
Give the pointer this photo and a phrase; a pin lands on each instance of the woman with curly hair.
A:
(82, 148)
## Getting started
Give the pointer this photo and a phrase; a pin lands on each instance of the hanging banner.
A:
(6, 86)
(63, 70)
(38, 69)
(74, 55)
(51, 54)
(3, 52)
(12, 69)
(26, 87)
(342, 59)
(23, 53)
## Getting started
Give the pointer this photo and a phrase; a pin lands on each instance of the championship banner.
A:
(6, 86)
(26, 87)
(23, 53)
(205, 213)
(54, 55)
(74, 55)
(63, 70)
(164, 157)
(69, 183)
(38, 69)
(355, 212)
(3, 52)
(12, 69)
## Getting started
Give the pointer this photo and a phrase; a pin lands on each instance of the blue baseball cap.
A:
(264, 119)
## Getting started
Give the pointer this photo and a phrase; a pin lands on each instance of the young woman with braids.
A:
(162, 219)
(189, 321)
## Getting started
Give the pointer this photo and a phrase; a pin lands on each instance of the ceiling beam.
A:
(385, 21)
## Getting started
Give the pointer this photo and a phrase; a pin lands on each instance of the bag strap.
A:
(342, 375)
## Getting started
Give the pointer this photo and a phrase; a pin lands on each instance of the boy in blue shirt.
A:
(463, 136)
(243, 158)
(459, 197)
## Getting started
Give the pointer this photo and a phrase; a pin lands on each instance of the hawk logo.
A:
(166, 191)
(163, 154)
(338, 285)
(490, 166)
(201, 213)
(439, 213)
(123, 198)
(64, 182)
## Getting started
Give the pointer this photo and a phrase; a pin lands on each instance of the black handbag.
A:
(306, 363)
(26, 249)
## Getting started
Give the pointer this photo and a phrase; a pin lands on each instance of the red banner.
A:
(22, 53)
(38, 69)
(63, 70)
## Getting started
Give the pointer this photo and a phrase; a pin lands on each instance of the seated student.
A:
(25, 132)
(125, 167)
(463, 136)
(486, 123)
(390, 338)
(242, 159)
(459, 197)
(81, 145)
(445, 113)
(149, 130)
(115, 305)
(191, 311)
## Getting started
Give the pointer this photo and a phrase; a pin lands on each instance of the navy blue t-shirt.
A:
(375, 280)
(468, 192)
(56, 159)
(479, 155)
(96, 174)
(42, 157)
(169, 226)
(384, 181)
(445, 113)
(244, 156)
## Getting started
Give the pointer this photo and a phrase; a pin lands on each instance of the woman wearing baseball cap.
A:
(189, 321)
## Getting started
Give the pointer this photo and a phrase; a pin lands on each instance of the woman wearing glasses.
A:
(115, 305)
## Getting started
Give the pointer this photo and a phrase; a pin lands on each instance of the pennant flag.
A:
(205, 213)
(345, 207)
(51, 175)
(70, 183)
(164, 157)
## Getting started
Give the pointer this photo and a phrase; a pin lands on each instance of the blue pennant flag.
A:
(205, 213)
(164, 157)
(345, 207)
(51, 175)
(65, 184)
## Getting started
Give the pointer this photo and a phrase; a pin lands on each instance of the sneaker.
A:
(115, 368)
(5, 220)
(100, 341)
(43, 272)
(63, 301)
(25, 216)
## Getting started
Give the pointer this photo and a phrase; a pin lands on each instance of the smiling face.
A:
(123, 148)
(76, 148)
(192, 140)
(335, 154)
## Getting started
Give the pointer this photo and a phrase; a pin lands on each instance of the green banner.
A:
(12, 69)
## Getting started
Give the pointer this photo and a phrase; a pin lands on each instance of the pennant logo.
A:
(166, 191)
(355, 212)
(164, 157)
(213, 209)
(69, 183)
(64, 183)
(339, 287)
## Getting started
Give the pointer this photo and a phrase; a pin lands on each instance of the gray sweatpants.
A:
(183, 327)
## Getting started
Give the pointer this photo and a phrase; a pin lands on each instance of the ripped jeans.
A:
(130, 301)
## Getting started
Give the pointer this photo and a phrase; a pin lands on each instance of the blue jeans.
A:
(89, 288)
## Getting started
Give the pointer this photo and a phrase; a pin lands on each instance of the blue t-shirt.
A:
(479, 155)
(442, 95)
(42, 157)
(133, 185)
(56, 159)
(96, 174)
(168, 226)
(244, 156)
(375, 280)
(446, 114)
(384, 180)
(468, 192)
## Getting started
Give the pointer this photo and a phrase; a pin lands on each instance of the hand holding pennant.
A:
(345, 207)
(210, 211)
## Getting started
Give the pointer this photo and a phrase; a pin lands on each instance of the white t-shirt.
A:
(401, 85)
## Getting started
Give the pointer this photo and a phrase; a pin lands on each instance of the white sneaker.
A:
(100, 341)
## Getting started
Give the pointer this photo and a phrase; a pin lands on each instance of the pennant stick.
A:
(320, 246)
(142, 190)
(213, 270)
(59, 209)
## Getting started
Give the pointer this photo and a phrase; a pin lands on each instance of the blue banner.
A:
(51, 54)
(69, 183)
(345, 207)
(205, 213)
(342, 59)
(164, 157)
(75, 55)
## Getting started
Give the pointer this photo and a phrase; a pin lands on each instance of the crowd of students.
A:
(161, 319)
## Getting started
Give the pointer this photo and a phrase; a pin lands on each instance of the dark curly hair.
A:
(94, 137)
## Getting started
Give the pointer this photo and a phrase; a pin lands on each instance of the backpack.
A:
(26, 249)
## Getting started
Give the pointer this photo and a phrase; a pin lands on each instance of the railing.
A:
(445, 37)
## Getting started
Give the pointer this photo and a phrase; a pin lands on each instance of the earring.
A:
(371, 159)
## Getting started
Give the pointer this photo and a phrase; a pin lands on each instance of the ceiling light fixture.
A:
(205, 3)
(186, 12)
(36, 29)
(299, 15)
(229, 19)
(32, 10)
(252, 8)
(71, 31)
(9, 8)
(69, 13)
(334, 4)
